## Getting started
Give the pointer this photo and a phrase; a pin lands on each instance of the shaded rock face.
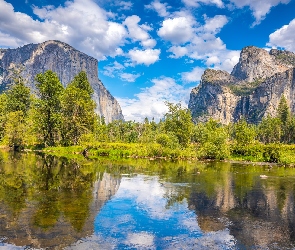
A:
(253, 89)
(67, 62)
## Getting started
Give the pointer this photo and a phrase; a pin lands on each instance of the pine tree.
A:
(48, 115)
(78, 115)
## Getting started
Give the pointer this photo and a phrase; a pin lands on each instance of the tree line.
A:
(65, 116)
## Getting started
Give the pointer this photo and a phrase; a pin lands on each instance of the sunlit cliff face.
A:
(66, 62)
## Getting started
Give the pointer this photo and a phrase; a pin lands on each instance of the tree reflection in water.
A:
(51, 202)
(47, 202)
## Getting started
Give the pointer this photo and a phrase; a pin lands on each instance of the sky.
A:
(152, 51)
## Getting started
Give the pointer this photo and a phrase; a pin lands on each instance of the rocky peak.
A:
(217, 77)
(252, 90)
(284, 57)
(67, 62)
(256, 63)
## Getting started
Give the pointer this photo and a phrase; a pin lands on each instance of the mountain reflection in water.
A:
(46, 202)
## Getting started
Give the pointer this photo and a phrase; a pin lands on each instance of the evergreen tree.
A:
(283, 111)
(78, 115)
(18, 97)
(284, 114)
(48, 115)
(270, 130)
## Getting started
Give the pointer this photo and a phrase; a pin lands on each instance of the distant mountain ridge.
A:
(252, 90)
(64, 60)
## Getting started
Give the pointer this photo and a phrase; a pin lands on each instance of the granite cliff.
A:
(252, 90)
(67, 62)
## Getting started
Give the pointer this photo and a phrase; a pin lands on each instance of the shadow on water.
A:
(48, 202)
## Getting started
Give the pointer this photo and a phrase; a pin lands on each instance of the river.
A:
(59, 203)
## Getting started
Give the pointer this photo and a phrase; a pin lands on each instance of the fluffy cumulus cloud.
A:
(196, 3)
(177, 30)
(96, 35)
(214, 25)
(199, 42)
(260, 8)
(150, 101)
(139, 33)
(177, 51)
(284, 37)
(147, 57)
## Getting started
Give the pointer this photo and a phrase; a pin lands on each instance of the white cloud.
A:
(177, 51)
(194, 75)
(149, 43)
(112, 69)
(147, 57)
(150, 101)
(223, 60)
(260, 8)
(177, 30)
(228, 59)
(81, 23)
(124, 5)
(160, 8)
(129, 77)
(202, 44)
(213, 25)
(284, 37)
(139, 33)
(196, 3)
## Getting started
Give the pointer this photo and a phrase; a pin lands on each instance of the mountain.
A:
(252, 90)
(67, 62)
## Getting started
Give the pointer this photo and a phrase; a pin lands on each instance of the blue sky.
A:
(153, 50)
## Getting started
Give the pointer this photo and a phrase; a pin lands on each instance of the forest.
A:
(63, 119)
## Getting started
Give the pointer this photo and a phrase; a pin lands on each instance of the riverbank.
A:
(258, 153)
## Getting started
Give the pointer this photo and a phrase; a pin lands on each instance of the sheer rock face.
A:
(67, 62)
(253, 89)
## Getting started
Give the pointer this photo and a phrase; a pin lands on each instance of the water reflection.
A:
(258, 212)
(47, 202)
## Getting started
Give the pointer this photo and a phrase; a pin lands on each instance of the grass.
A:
(274, 153)
(124, 150)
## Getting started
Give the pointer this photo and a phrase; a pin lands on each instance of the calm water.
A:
(50, 203)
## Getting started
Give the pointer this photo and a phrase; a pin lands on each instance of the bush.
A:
(272, 153)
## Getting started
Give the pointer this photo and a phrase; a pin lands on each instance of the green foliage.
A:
(212, 138)
(15, 129)
(18, 98)
(59, 116)
(269, 130)
(3, 112)
(272, 153)
(243, 133)
(178, 121)
(48, 115)
(77, 108)
(283, 111)
(167, 140)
